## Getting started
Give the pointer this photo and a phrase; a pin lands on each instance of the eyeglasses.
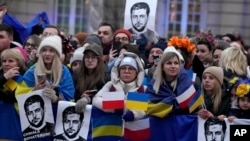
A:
(121, 39)
(87, 57)
(29, 44)
(130, 69)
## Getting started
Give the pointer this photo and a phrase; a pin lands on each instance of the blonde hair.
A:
(56, 69)
(234, 59)
(216, 98)
(16, 54)
(159, 74)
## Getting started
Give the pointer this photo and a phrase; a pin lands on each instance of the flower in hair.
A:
(205, 37)
(182, 43)
(242, 86)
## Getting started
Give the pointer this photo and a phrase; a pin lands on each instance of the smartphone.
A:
(156, 60)
(116, 46)
(41, 77)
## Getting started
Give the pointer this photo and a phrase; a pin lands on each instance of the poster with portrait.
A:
(140, 17)
(217, 130)
(71, 125)
(35, 110)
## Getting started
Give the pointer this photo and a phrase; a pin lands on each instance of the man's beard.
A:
(72, 135)
(39, 124)
(139, 30)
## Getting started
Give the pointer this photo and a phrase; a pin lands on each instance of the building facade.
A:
(173, 17)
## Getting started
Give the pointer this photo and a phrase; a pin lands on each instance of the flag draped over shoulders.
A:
(166, 101)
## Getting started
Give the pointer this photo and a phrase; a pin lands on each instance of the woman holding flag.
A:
(217, 101)
(13, 67)
(172, 94)
(126, 76)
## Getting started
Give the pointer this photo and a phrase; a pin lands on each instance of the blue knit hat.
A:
(161, 45)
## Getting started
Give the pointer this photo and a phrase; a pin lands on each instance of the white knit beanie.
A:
(77, 55)
(52, 41)
(172, 49)
(127, 60)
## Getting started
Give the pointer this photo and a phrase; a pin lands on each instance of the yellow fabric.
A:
(160, 110)
(135, 105)
(107, 131)
(22, 88)
(196, 104)
(11, 84)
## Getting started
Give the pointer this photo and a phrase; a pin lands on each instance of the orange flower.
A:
(181, 43)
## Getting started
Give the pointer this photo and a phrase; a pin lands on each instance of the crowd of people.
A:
(83, 66)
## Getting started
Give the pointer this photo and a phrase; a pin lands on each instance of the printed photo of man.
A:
(215, 129)
(72, 123)
(139, 14)
(35, 112)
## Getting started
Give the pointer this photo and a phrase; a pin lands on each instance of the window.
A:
(184, 17)
(72, 15)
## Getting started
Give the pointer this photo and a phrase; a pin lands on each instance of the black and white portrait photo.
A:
(70, 124)
(35, 115)
(213, 129)
(140, 18)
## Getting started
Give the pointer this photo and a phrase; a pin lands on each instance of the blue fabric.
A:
(100, 118)
(142, 43)
(110, 65)
(165, 94)
(128, 116)
(65, 87)
(174, 128)
(10, 119)
(22, 30)
(17, 25)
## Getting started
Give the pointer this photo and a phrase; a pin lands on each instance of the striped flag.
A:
(105, 126)
(113, 100)
(12, 83)
(137, 101)
(137, 130)
(185, 98)
(196, 101)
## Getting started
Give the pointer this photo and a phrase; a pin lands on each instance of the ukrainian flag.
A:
(106, 126)
(137, 101)
(196, 101)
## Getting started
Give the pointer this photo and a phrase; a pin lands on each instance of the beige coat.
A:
(119, 85)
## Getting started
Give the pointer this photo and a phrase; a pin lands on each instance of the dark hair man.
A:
(6, 36)
(139, 14)
(106, 34)
(215, 129)
(72, 123)
(35, 112)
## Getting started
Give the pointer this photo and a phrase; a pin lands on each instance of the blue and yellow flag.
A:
(137, 101)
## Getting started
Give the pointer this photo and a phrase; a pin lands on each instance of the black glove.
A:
(128, 116)
(119, 111)
(142, 42)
